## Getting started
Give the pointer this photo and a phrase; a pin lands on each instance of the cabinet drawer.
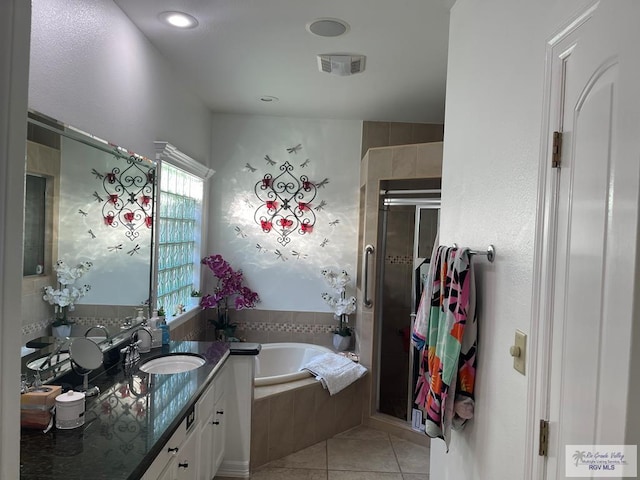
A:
(169, 450)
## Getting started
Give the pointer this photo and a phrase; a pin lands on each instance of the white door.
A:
(595, 245)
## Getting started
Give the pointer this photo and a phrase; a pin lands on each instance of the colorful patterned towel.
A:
(421, 322)
(448, 359)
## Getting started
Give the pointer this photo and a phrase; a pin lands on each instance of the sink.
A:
(36, 364)
(173, 363)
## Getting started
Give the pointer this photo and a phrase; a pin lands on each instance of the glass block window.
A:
(179, 237)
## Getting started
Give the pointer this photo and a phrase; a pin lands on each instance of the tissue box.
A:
(35, 406)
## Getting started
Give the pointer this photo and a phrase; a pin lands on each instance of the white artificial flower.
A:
(68, 294)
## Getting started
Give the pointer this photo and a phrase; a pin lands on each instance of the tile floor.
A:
(361, 453)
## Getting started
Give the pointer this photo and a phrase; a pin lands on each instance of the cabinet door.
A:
(206, 471)
(169, 473)
(219, 432)
(187, 459)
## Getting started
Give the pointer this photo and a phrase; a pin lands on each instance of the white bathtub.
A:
(281, 362)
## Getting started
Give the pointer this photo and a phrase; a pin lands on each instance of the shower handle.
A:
(368, 251)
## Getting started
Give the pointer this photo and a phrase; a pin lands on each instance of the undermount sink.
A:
(172, 363)
(55, 359)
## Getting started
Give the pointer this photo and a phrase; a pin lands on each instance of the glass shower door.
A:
(408, 231)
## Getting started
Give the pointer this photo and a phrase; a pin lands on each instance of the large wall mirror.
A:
(87, 200)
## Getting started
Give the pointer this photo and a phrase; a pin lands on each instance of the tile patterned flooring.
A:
(361, 453)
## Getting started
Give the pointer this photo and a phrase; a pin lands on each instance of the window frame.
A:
(166, 152)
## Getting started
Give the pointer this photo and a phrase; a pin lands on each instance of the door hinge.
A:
(543, 444)
(556, 154)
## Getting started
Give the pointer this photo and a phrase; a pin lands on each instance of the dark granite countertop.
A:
(126, 425)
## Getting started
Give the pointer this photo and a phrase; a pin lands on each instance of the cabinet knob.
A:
(219, 412)
(215, 423)
(183, 465)
(172, 450)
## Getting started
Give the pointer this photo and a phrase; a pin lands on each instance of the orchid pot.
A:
(340, 342)
(61, 331)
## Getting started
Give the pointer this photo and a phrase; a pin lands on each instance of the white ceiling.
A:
(245, 49)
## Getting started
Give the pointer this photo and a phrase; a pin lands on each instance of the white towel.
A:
(335, 372)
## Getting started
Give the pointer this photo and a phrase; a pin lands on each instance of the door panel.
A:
(596, 232)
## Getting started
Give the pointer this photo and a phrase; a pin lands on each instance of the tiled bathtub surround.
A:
(285, 422)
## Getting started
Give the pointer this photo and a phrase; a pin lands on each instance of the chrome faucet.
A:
(126, 323)
(132, 351)
(100, 327)
(135, 338)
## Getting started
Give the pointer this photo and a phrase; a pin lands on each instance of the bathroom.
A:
(292, 307)
(499, 183)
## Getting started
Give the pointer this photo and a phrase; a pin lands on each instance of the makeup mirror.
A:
(85, 356)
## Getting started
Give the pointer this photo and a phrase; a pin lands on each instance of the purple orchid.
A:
(229, 286)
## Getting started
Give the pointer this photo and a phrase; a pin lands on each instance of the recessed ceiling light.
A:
(328, 27)
(268, 98)
(178, 19)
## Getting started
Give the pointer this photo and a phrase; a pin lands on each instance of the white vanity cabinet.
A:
(219, 440)
(196, 452)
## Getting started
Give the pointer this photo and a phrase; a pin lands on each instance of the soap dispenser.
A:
(156, 333)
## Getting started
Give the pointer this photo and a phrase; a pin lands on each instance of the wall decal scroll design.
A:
(129, 198)
(285, 203)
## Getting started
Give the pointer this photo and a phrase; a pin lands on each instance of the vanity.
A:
(187, 425)
(94, 204)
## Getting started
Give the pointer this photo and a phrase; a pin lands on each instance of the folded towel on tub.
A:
(335, 372)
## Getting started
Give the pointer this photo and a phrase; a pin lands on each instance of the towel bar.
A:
(490, 252)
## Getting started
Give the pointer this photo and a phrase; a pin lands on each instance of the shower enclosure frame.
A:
(411, 165)
(421, 200)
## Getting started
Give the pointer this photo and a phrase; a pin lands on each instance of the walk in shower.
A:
(399, 190)
(407, 229)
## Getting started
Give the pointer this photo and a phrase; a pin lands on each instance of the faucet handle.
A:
(37, 381)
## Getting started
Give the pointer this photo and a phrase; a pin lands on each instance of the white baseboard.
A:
(234, 469)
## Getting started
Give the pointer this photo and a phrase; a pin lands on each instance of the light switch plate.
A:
(519, 362)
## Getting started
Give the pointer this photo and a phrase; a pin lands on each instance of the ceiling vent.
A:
(341, 64)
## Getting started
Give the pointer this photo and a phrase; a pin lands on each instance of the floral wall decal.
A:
(286, 201)
(129, 197)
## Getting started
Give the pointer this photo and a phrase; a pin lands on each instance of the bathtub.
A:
(281, 362)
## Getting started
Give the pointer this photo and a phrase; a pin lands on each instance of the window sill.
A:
(178, 320)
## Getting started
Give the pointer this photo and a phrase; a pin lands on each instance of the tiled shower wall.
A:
(389, 134)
